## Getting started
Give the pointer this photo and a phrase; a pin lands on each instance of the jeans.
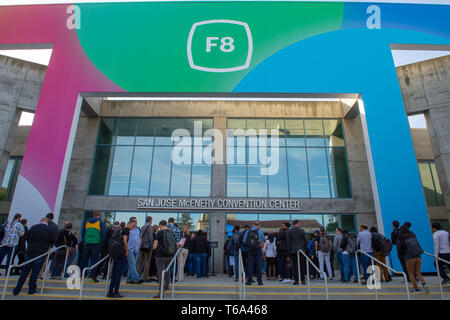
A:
(229, 267)
(280, 271)
(8, 252)
(200, 264)
(190, 264)
(341, 264)
(302, 266)
(58, 262)
(161, 264)
(349, 269)
(132, 258)
(91, 252)
(117, 270)
(255, 260)
(35, 268)
(144, 261)
(364, 261)
(325, 257)
(236, 264)
(181, 260)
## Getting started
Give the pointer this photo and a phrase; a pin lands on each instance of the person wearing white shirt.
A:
(441, 249)
(270, 251)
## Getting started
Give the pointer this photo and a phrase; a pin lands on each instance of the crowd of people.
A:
(142, 254)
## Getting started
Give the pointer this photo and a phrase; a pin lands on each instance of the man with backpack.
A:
(236, 245)
(118, 249)
(364, 242)
(165, 246)
(348, 247)
(253, 240)
(323, 247)
(337, 248)
(394, 240)
(441, 241)
(146, 249)
(380, 246)
(244, 250)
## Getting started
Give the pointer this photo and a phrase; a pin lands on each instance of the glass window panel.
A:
(201, 180)
(125, 217)
(181, 180)
(257, 183)
(236, 181)
(334, 134)
(100, 171)
(107, 131)
(161, 166)
(236, 124)
(108, 218)
(331, 222)
(274, 124)
(140, 175)
(164, 129)
(145, 132)
(196, 221)
(339, 177)
(241, 219)
(13, 179)
(278, 184)
(7, 179)
(318, 173)
(298, 173)
(157, 217)
(272, 221)
(121, 169)
(256, 124)
(348, 222)
(126, 131)
(437, 185)
(314, 133)
(308, 222)
(427, 183)
(295, 133)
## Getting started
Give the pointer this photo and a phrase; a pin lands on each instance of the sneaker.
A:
(158, 296)
(140, 281)
(260, 284)
(446, 281)
(130, 282)
(94, 281)
(303, 283)
(248, 283)
(286, 281)
(295, 283)
(426, 288)
(415, 290)
(118, 295)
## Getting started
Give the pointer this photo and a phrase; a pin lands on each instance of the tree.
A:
(186, 219)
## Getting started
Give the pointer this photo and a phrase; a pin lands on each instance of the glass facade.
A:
(430, 182)
(133, 157)
(311, 153)
(10, 178)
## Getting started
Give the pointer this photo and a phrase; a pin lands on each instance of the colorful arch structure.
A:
(313, 48)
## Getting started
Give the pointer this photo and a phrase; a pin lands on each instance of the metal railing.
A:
(44, 274)
(49, 252)
(90, 268)
(241, 277)
(174, 259)
(307, 273)
(373, 268)
(12, 254)
(438, 272)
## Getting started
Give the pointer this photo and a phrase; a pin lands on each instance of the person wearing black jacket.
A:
(296, 240)
(199, 248)
(21, 247)
(394, 241)
(40, 238)
(283, 251)
(65, 237)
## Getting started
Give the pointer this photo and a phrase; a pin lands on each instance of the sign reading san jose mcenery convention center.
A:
(218, 204)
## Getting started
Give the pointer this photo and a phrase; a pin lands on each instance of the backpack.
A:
(351, 246)
(236, 241)
(413, 248)
(168, 245)
(252, 241)
(386, 246)
(147, 239)
(324, 244)
(376, 242)
(2, 230)
(116, 246)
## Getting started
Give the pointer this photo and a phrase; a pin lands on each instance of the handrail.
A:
(161, 294)
(22, 265)
(383, 264)
(241, 276)
(90, 268)
(12, 253)
(44, 275)
(438, 272)
(307, 273)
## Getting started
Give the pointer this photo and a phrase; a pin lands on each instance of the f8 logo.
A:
(219, 46)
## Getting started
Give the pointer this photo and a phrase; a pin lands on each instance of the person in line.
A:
(349, 247)
(229, 253)
(236, 246)
(191, 269)
(165, 246)
(178, 234)
(270, 251)
(253, 239)
(54, 227)
(21, 247)
(364, 242)
(13, 232)
(284, 252)
(64, 238)
(133, 254)
(377, 246)
(313, 255)
(296, 240)
(184, 243)
(441, 242)
(337, 248)
(243, 248)
(412, 252)
(199, 248)
(93, 234)
(105, 250)
(323, 247)
(118, 249)
(73, 252)
(40, 238)
(394, 241)
(146, 249)
(153, 272)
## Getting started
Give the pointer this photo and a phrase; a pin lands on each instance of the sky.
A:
(401, 58)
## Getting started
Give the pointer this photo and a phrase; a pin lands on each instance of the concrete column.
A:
(219, 170)
(438, 125)
(9, 120)
(218, 223)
